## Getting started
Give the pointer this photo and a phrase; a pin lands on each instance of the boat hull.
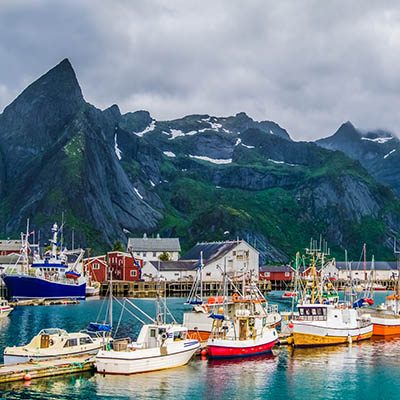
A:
(23, 358)
(147, 360)
(330, 336)
(233, 352)
(232, 348)
(27, 287)
(386, 326)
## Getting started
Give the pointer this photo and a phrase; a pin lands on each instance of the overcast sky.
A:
(307, 65)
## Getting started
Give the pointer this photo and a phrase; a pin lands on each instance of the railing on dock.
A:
(171, 289)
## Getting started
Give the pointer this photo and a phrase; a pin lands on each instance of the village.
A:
(136, 269)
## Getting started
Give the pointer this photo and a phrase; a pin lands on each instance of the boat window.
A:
(161, 330)
(177, 335)
(71, 342)
(85, 340)
(319, 311)
(307, 311)
(264, 321)
(314, 311)
(301, 311)
(152, 333)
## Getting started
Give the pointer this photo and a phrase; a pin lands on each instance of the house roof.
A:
(154, 244)
(359, 266)
(175, 265)
(276, 268)
(10, 245)
(211, 251)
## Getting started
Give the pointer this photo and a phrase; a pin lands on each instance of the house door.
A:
(242, 329)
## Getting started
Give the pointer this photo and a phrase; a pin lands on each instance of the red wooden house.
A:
(276, 273)
(96, 268)
(124, 267)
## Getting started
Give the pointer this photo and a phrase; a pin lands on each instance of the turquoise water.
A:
(370, 370)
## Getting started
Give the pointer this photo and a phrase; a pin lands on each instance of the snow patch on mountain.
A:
(169, 153)
(116, 148)
(213, 160)
(378, 140)
(388, 154)
(150, 128)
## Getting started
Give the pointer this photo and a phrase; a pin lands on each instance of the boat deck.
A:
(41, 369)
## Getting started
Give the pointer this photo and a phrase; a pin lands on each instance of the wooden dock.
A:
(42, 369)
(42, 302)
(140, 289)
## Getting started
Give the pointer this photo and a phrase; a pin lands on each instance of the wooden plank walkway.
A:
(41, 369)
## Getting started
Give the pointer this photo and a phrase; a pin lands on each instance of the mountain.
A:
(378, 151)
(200, 177)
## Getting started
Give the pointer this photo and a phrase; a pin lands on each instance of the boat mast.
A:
(201, 276)
(365, 263)
(111, 297)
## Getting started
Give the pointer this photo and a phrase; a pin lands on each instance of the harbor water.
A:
(367, 370)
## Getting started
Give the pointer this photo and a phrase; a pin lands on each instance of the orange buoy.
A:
(206, 308)
(204, 352)
(291, 325)
(211, 300)
(235, 297)
(220, 299)
(27, 377)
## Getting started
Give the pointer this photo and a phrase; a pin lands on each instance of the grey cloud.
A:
(307, 65)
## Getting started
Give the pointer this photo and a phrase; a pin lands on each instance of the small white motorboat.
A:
(54, 343)
(5, 308)
(158, 346)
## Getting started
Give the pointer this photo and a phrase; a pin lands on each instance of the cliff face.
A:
(378, 151)
(199, 177)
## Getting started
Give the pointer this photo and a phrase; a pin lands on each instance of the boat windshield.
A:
(53, 331)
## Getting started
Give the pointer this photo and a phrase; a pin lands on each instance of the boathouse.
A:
(276, 273)
(124, 267)
(150, 249)
(170, 270)
(96, 268)
(379, 270)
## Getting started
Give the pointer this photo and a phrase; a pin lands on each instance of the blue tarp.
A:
(97, 327)
(216, 316)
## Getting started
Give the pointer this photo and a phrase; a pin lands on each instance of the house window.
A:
(96, 266)
(138, 253)
(154, 254)
(133, 272)
(287, 274)
(176, 273)
(208, 274)
(144, 254)
(234, 253)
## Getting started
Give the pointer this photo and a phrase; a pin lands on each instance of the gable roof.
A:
(175, 265)
(154, 244)
(211, 251)
(359, 266)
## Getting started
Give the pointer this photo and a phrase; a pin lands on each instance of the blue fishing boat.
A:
(50, 277)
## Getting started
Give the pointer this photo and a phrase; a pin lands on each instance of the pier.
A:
(44, 368)
(171, 288)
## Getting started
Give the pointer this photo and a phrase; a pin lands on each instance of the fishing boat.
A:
(242, 331)
(92, 289)
(198, 321)
(386, 317)
(5, 308)
(289, 295)
(160, 345)
(322, 319)
(50, 277)
(54, 343)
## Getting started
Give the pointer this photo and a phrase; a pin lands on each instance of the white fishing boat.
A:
(5, 308)
(54, 343)
(92, 289)
(322, 320)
